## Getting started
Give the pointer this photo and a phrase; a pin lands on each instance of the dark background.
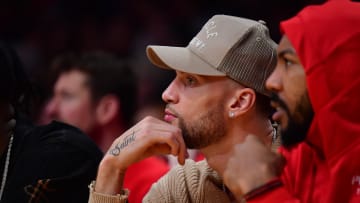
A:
(41, 29)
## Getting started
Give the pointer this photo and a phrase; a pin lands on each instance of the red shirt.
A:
(140, 176)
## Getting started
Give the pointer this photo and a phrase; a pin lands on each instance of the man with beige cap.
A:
(216, 99)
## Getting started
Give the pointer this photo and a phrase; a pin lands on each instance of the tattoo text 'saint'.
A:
(119, 146)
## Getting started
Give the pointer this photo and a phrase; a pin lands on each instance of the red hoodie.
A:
(326, 168)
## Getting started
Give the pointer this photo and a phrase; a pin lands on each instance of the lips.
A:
(279, 111)
(169, 116)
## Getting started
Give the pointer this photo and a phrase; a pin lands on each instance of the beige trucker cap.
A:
(225, 46)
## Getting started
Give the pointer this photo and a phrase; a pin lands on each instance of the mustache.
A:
(275, 98)
(172, 110)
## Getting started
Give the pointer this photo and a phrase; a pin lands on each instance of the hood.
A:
(327, 41)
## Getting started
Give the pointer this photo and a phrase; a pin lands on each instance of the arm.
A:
(147, 138)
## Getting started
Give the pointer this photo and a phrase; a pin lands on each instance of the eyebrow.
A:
(191, 74)
(285, 51)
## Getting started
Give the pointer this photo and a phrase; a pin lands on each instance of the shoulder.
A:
(60, 136)
(188, 183)
(55, 156)
(191, 173)
(55, 145)
(196, 174)
(191, 166)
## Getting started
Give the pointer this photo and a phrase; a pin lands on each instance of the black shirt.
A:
(50, 163)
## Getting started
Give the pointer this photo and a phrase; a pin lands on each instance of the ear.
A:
(242, 102)
(107, 109)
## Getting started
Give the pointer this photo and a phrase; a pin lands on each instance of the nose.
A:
(51, 108)
(274, 81)
(170, 94)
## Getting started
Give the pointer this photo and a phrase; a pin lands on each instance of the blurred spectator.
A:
(97, 93)
(42, 29)
(52, 163)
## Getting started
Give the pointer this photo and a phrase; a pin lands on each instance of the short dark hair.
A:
(15, 85)
(107, 74)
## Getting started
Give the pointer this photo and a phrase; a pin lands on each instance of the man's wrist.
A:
(110, 178)
(96, 197)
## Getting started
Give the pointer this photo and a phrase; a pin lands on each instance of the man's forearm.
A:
(109, 179)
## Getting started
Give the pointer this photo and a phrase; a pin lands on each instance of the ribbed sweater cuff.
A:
(96, 197)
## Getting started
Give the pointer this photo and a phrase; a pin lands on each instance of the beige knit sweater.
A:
(191, 183)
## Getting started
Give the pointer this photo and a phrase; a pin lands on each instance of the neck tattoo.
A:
(6, 167)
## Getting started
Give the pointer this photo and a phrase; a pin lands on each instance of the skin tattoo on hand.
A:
(121, 145)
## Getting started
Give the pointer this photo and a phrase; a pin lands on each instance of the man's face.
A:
(71, 102)
(290, 97)
(196, 104)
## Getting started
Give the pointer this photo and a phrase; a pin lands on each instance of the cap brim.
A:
(181, 59)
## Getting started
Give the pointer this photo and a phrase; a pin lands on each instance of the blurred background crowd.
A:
(40, 30)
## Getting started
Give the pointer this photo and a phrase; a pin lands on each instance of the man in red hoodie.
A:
(316, 87)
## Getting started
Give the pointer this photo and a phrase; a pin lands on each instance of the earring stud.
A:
(231, 114)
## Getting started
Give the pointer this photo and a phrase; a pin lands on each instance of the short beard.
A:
(204, 131)
(296, 131)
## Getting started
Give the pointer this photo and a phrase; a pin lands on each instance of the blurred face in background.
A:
(290, 97)
(72, 102)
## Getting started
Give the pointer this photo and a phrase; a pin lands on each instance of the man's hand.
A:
(147, 138)
(251, 165)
